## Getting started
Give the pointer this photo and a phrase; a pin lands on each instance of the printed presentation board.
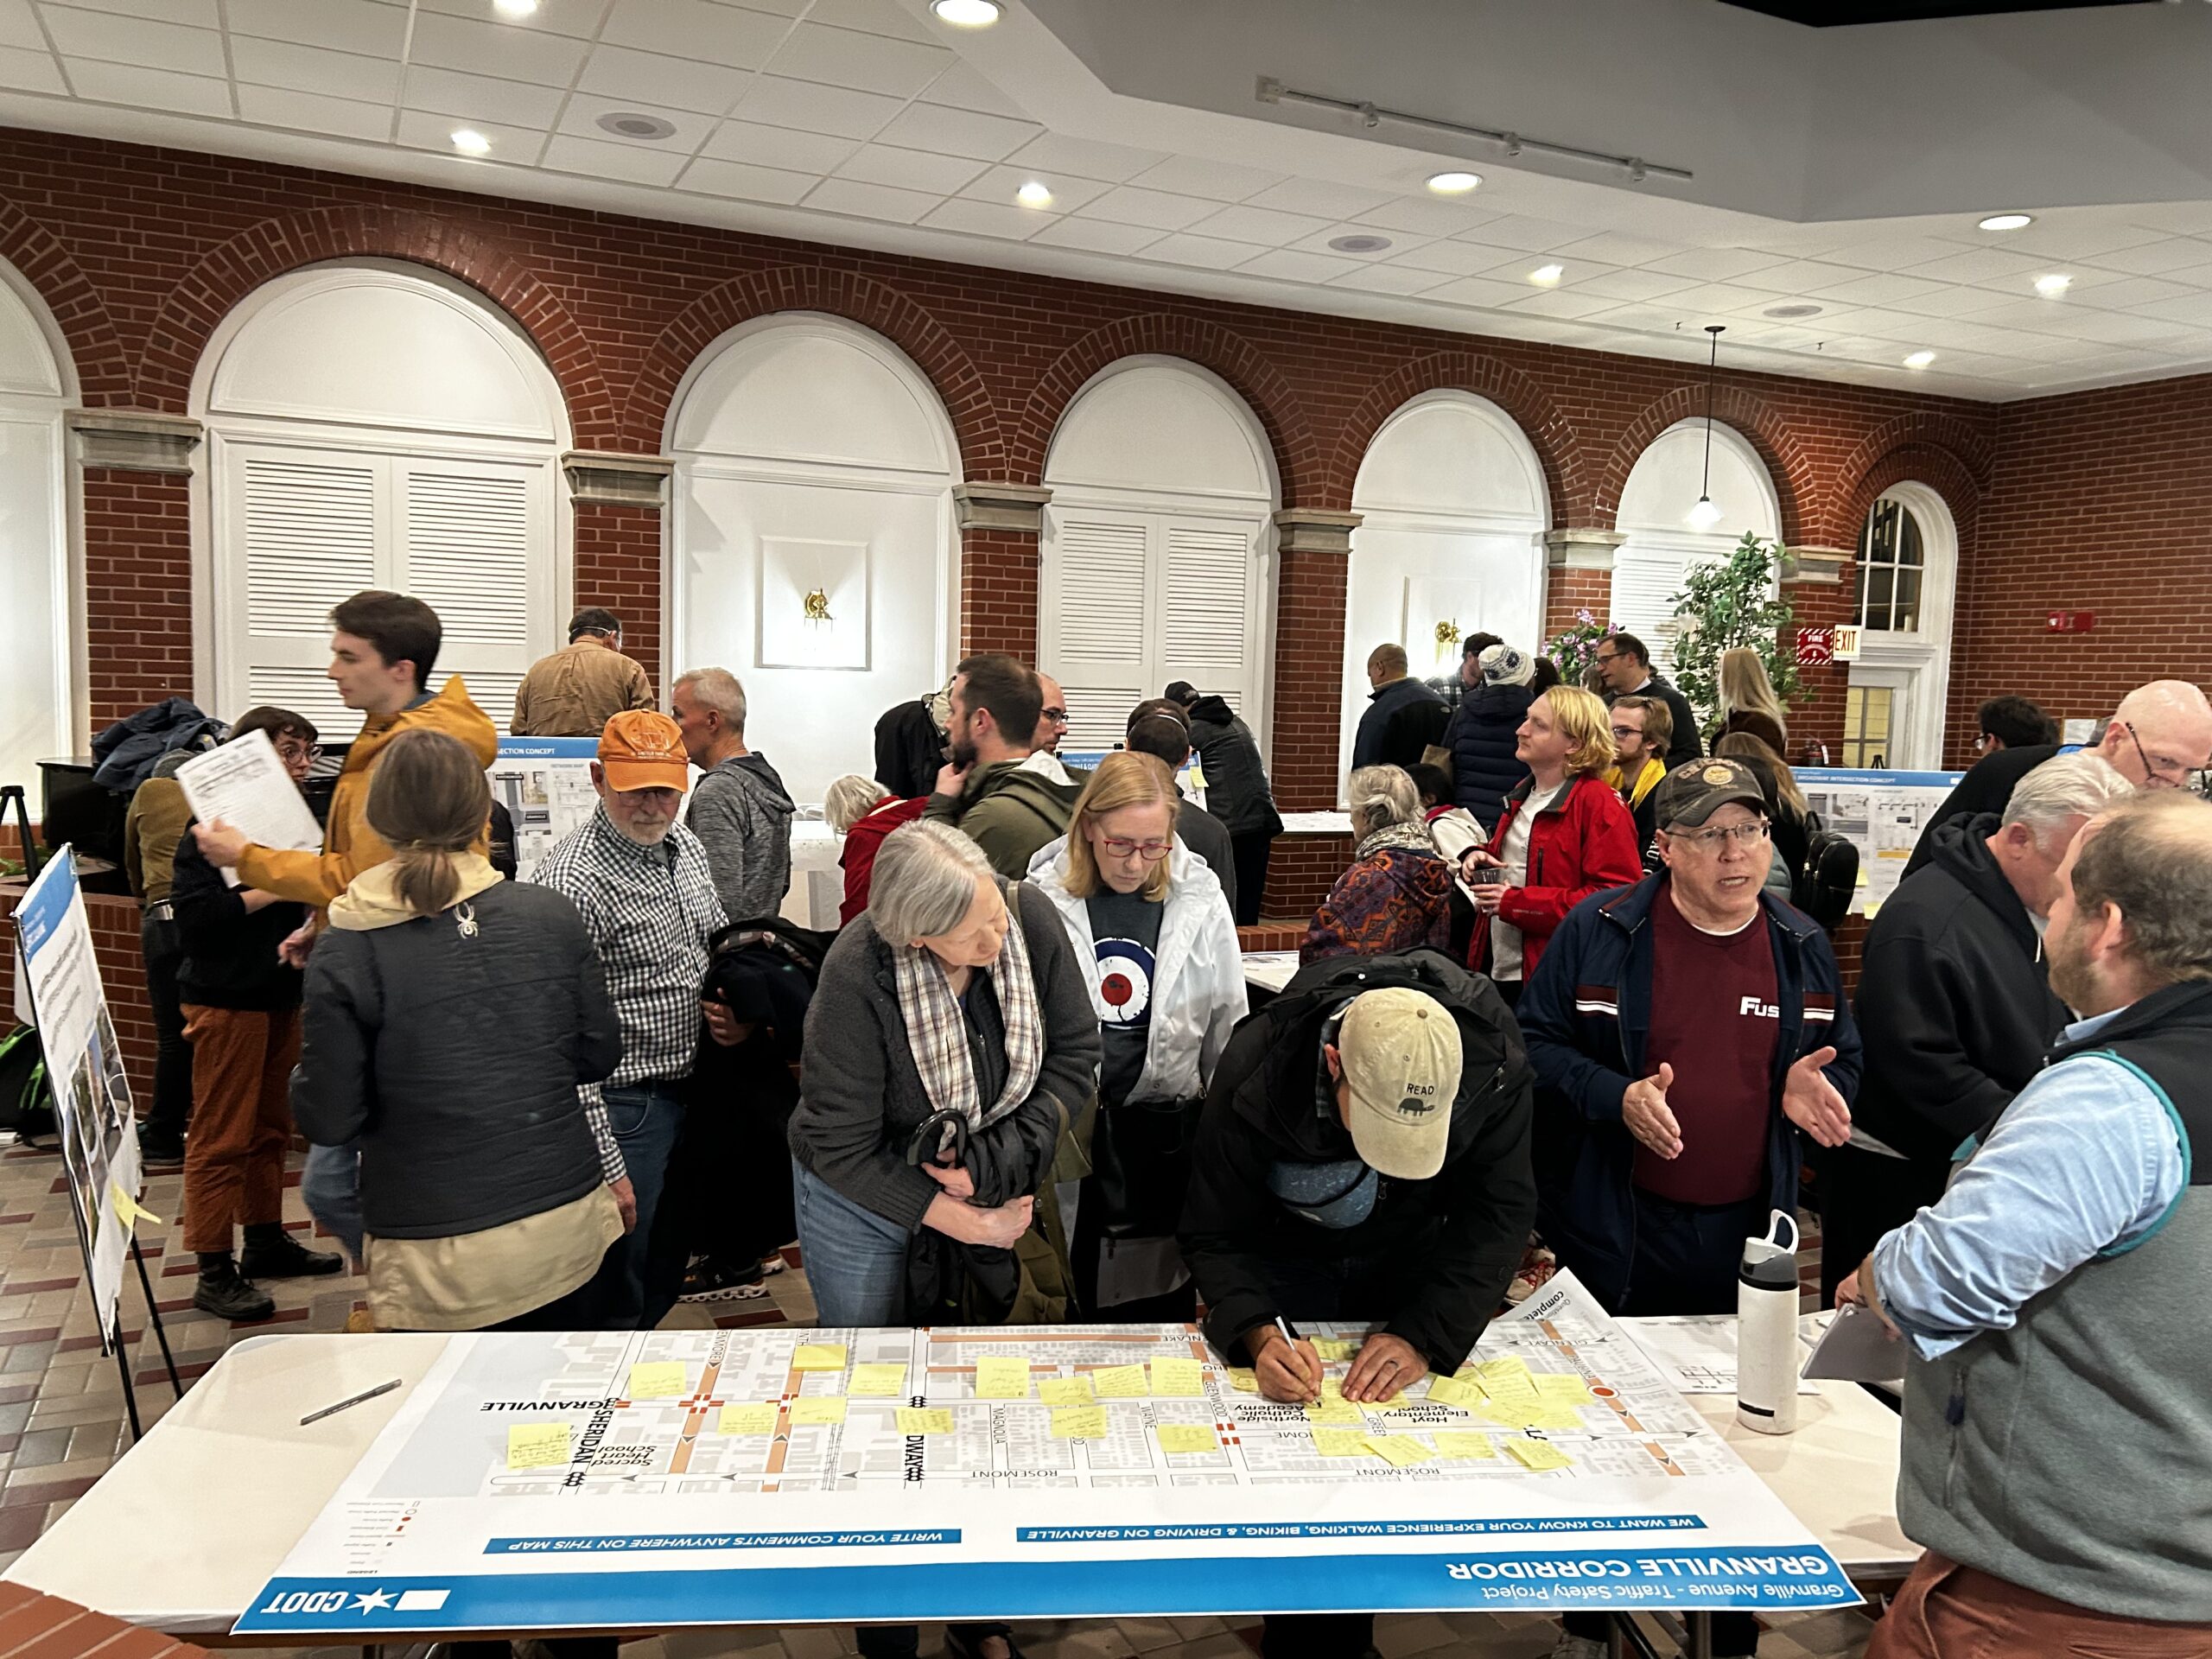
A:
(545, 784)
(653, 1479)
(1882, 814)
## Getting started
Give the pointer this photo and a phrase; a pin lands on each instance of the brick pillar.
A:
(1578, 576)
(1001, 526)
(1819, 583)
(1315, 549)
(136, 480)
(618, 502)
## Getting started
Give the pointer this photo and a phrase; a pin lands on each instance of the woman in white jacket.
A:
(1157, 945)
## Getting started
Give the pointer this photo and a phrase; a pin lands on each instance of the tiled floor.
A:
(62, 1424)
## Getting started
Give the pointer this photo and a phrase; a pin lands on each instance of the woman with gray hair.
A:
(1397, 894)
(863, 811)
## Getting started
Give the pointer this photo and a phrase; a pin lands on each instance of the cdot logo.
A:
(309, 1601)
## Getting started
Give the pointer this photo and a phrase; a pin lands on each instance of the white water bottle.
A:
(1766, 1331)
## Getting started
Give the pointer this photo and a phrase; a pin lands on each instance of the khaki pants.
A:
(242, 1064)
(1949, 1611)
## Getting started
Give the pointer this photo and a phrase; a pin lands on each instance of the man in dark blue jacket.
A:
(1384, 738)
(1683, 1031)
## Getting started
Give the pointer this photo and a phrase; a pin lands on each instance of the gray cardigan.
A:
(861, 1096)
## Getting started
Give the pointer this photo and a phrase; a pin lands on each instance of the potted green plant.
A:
(1729, 603)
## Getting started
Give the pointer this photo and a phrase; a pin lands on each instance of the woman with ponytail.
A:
(450, 1016)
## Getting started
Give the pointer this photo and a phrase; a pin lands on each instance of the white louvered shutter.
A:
(1646, 580)
(1097, 607)
(472, 540)
(303, 536)
(1207, 627)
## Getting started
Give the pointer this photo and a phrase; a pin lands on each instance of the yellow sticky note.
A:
(1564, 1389)
(1186, 1437)
(1120, 1382)
(819, 1356)
(877, 1381)
(1079, 1423)
(1243, 1379)
(1538, 1454)
(1066, 1391)
(748, 1419)
(1340, 1443)
(663, 1379)
(1399, 1450)
(924, 1420)
(1001, 1377)
(1451, 1391)
(1330, 1348)
(538, 1445)
(1508, 1379)
(1510, 1414)
(817, 1408)
(1551, 1416)
(1454, 1444)
(1177, 1379)
(1340, 1413)
(129, 1211)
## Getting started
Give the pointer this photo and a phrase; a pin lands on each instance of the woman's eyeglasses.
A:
(1151, 851)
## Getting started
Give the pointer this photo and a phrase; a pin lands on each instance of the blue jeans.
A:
(646, 1117)
(855, 1259)
(330, 1187)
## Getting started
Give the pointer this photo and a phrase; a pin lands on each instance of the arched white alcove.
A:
(1158, 557)
(377, 424)
(1900, 682)
(813, 457)
(38, 708)
(1661, 547)
(1453, 508)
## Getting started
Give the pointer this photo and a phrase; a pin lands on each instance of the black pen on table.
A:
(349, 1400)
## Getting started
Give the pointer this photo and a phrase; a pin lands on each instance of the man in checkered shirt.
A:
(641, 881)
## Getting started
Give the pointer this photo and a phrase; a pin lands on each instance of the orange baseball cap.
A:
(640, 749)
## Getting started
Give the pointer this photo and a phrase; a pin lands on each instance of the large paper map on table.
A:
(639, 1480)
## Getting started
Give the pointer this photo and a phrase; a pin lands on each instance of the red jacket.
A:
(862, 841)
(1584, 842)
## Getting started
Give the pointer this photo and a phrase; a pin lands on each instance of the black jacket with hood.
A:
(1953, 1003)
(1237, 780)
(1483, 740)
(1458, 1236)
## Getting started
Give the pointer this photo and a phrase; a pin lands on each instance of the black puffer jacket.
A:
(1237, 780)
(455, 1058)
(1482, 740)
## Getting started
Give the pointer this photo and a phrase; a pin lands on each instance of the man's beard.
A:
(2071, 979)
(962, 753)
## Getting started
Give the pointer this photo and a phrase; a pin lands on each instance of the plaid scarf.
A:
(1414, 836)
(937, 1031)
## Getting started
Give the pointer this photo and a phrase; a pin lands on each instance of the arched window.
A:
(1157, 547)
(1661, 547)
(378, 425)
(36, 708)
(1907, 562)
(812, 551)
(1453, 508)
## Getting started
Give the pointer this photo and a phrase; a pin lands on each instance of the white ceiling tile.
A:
(1535, 235)
(1298, 267)
(1085, 158)
(2111, 326)
(580, 115)
(909, 169)
(776, 102)
(1561, 303)
(152, 89)
(1126, 205)
(1003, 184)
(1887, 252)
(2156, 258)
(1210, 252)
(2128, 293)
(1615, 248)
(509, 53)
(1400, 242)
(868, 63)
(1263, 226)
(1096, 235)
(2182, 218)
(2197, 276)
(197, 14)
(746, 182)
(1874, 288)
(871, 17)
(1388, 279)
(279, 106)
(31, 71)
(988, 219)
(445, 91)
(2194, 309)
(1632, 285)
(1715, 265)
(310, 69)
(1425, 217)
(1319, 196)
(114, 38)
(1979, 265)
(1454, 258)
(376, 31)
(870, 200)
(1186, 176)
(1477, 291)
(1715, 297)
(775, 8)
(963, 87)
(695, 30)
(1947, 302)
(2079, 239)
(958, 133)
(1793, 276)
(604, 159)
(781, 147)
(649, 79)
(19, 26)
(576, 18)
(518, 145)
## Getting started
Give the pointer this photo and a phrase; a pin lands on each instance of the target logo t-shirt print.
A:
(1125, 983)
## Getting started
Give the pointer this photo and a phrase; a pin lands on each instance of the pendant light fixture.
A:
(1704, 516)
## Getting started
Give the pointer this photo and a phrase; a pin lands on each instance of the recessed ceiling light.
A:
(1919, 360)
(516, 8)
(469, 142)
(634, 123)
(1034, 194)
(1546, 275)
(1453, 184)
(2052, 286)
(966, 14)
(2007, 222)
(1786, 313)
(1360, 243)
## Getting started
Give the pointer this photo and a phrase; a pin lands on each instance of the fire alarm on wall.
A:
(2072, 621)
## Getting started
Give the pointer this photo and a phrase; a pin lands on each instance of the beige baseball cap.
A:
(1400, 1050)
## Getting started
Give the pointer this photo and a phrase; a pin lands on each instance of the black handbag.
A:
(1141, 1166)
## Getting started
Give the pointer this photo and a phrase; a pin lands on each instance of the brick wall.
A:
(137, 590)
(618, 565)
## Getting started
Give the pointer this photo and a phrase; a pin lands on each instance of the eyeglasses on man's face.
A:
(1058, 716)
(1749, 833)
(2159, 771)
(1151, 851)
(1622, 734)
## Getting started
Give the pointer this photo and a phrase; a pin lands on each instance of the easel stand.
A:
(122, 1349)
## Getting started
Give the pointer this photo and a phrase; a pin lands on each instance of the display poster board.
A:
(1882, 814)
(84, 1062)
(650, 1479)
(545, 784)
